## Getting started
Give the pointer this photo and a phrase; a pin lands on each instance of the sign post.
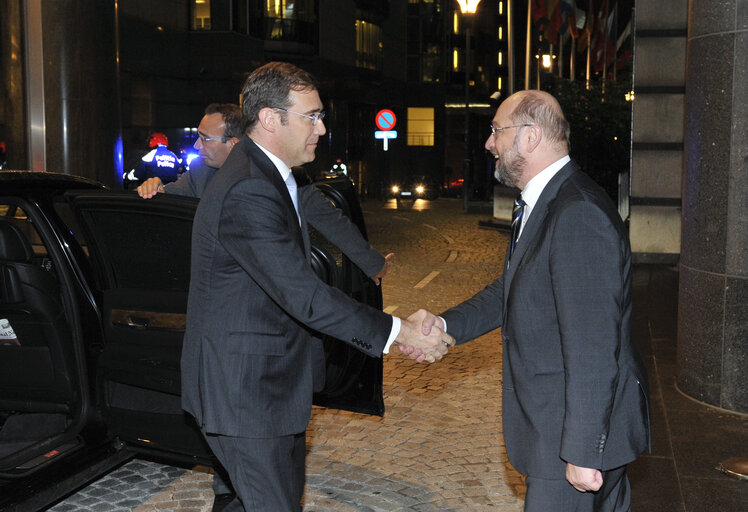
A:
(385, 121)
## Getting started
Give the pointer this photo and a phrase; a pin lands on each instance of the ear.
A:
(532, 137)
(268, 119)
(232, 141)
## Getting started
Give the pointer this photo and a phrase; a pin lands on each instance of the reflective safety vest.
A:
(159, 162)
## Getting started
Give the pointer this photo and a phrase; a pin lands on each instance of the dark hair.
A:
(270, 86)
(232, 118)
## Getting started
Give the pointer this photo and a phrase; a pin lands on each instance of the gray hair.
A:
(543, 110)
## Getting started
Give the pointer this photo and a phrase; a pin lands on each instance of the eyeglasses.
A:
(317, 116)
(222, 138)
(496, 130)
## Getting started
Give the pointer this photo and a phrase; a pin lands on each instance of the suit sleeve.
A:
(587, 261)
(339, 230)
(191, 183)
(256, 230)
(478, 315)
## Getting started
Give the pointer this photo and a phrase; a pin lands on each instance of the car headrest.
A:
(14, 246)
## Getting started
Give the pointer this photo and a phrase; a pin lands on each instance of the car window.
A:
(67, 216)
(143, 251)
(17, 216)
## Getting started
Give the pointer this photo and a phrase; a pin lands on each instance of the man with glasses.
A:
(575, 392)
(218, 132)
(252, 356)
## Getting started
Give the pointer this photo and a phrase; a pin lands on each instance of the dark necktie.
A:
(517, 211)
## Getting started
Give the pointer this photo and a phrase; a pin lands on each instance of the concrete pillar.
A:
(81, 88)
(657, 148)
(12, 112)
(712, 356)
(60, 88)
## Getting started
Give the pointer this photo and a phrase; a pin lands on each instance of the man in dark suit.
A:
(251, 360)
(575, 391)
(219, 130)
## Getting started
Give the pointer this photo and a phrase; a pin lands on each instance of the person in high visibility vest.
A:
(159, 162)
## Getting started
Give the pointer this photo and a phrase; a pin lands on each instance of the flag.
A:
(585, 21)
(539, 11)
(600, 36)
(624, 35)
(552, 28)
(567, 18)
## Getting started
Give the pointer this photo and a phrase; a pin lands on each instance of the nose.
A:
(489, 143)
(198, 144)
(319, 128)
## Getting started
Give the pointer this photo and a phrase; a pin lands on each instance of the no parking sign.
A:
(385, 121)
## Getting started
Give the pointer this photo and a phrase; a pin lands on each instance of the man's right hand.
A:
(150, 188)
(419, 345)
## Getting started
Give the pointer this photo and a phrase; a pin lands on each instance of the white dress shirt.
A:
(533, 189)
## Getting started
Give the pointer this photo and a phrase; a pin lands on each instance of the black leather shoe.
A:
(221, 501)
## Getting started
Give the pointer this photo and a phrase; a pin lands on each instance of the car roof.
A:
(17, 180)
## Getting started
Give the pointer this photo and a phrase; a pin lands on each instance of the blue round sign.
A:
(385, 119)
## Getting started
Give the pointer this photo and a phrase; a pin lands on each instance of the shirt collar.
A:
(283, 169)
(533, 189)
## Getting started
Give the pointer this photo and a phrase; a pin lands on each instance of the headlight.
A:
(420, 189)
(395, 189)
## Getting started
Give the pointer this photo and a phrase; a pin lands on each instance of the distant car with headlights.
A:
(416, 187)
(93, 296)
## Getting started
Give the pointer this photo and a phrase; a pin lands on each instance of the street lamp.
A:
(467, 8)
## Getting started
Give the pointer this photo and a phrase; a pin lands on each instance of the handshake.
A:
(422, 337)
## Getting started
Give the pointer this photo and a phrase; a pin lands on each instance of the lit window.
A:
(501, 33)
(201, 15)
(499, 83)
(501, 8)
(455, 60)
(368, 45)
(456, 23)
(501, 58)
(420, 126)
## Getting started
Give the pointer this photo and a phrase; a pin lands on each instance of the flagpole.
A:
(590, 11)
(614, 41)
(527, 45)
(573, 58)
(510, 46)
(605, 47)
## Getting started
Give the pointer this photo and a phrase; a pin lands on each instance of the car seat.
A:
(34, 371)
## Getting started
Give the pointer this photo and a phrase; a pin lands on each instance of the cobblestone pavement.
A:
(439, 445)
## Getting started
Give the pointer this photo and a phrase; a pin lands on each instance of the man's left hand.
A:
(584, 479)
(387, 262)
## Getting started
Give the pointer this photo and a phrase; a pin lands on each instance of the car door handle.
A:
(138, 322)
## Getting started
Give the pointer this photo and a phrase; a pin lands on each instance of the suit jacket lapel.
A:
(268, 169)
(535, 222)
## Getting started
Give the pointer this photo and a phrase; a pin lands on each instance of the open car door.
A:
(141, 252)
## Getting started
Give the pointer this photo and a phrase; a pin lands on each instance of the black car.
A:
(416, 187)
(93, 294)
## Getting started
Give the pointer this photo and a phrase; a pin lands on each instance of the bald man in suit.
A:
(575, 389)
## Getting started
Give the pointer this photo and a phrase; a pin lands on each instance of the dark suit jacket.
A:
(574, 385)
(318, 212)
(248, 355)
(193, 182)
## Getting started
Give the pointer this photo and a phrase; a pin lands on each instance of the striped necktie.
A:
(517, 211)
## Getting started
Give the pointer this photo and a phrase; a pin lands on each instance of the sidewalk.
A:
(689, 439)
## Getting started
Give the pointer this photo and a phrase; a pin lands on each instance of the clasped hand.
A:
(422, 337)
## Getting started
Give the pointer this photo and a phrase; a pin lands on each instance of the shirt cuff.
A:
(396, 325)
